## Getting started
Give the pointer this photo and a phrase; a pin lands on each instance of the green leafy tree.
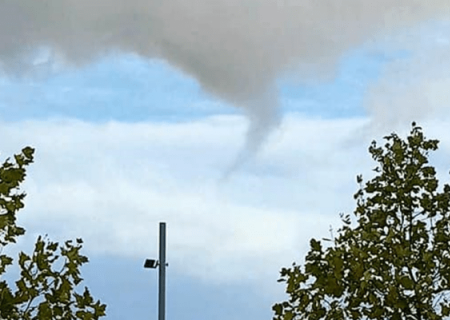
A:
(48, 277)
(391, 258)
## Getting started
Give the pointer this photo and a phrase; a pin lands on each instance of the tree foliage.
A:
(391, 259)
(49, 275)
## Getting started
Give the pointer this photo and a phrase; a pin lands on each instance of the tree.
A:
(48, 277)
(392, 260)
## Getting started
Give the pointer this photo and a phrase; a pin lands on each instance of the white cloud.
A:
(413, 87)
(112, 183)
(235, 49)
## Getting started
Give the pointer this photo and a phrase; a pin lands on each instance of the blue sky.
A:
(127, 88)
(126, 141)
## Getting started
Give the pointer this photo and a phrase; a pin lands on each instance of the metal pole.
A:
(162, 272)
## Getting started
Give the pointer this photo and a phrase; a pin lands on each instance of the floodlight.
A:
(150, 263)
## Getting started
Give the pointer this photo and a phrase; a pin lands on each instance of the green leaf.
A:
(406, 282)
(315, 245)
(278, 308)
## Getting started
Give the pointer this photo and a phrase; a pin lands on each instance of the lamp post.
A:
(150, 263)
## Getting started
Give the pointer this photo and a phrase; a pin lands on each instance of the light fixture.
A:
(150, 263)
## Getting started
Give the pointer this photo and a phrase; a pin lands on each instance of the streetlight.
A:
(151, 263)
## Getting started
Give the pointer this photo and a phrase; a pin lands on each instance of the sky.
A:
(241, 124)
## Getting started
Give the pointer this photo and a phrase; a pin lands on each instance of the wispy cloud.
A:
(413, 86)
(112, 183)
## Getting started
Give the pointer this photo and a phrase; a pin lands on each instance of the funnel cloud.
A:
(236, 49)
